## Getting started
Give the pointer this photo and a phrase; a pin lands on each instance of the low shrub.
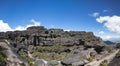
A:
(104, 63)
(91, 58)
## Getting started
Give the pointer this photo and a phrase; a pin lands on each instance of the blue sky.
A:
(80, 15)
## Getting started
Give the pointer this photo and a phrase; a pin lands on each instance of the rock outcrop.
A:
(74, 45)
(40, 36)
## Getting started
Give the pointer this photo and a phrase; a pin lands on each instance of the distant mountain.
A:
(109, 42)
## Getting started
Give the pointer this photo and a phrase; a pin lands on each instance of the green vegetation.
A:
(22, 64)
(27, 59)
(2, 40)
(104, 63)
(30, 61)
(91, 58)
(49, 48)
(2, 57)
(56, 52)
(54, 48)
(51, 56)
(118, 55)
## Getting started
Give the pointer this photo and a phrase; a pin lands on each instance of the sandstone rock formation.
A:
(78, 44)
(40, 36)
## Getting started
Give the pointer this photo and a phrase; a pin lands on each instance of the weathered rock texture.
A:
(41, 36)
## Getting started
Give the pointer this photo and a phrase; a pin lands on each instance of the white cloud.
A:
(106, 37)
(95, 14)
(112, 23)
(20, 28)
(34, 23)
(67, 30)
(111, 38)
(101, 32)
(4, 26)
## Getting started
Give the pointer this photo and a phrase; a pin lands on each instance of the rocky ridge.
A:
(40, 36)
(54, 46)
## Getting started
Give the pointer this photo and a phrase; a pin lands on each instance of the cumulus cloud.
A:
(112, 23)
(101, 32)
(95, 14)
(4, 26)
(106, 37)
(33, 23)
(20, 28)
(67, 30)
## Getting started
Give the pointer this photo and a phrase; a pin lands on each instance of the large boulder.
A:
(41, 62)
(78, 63)
(78, 57)
(73, 59)
(52, 63)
